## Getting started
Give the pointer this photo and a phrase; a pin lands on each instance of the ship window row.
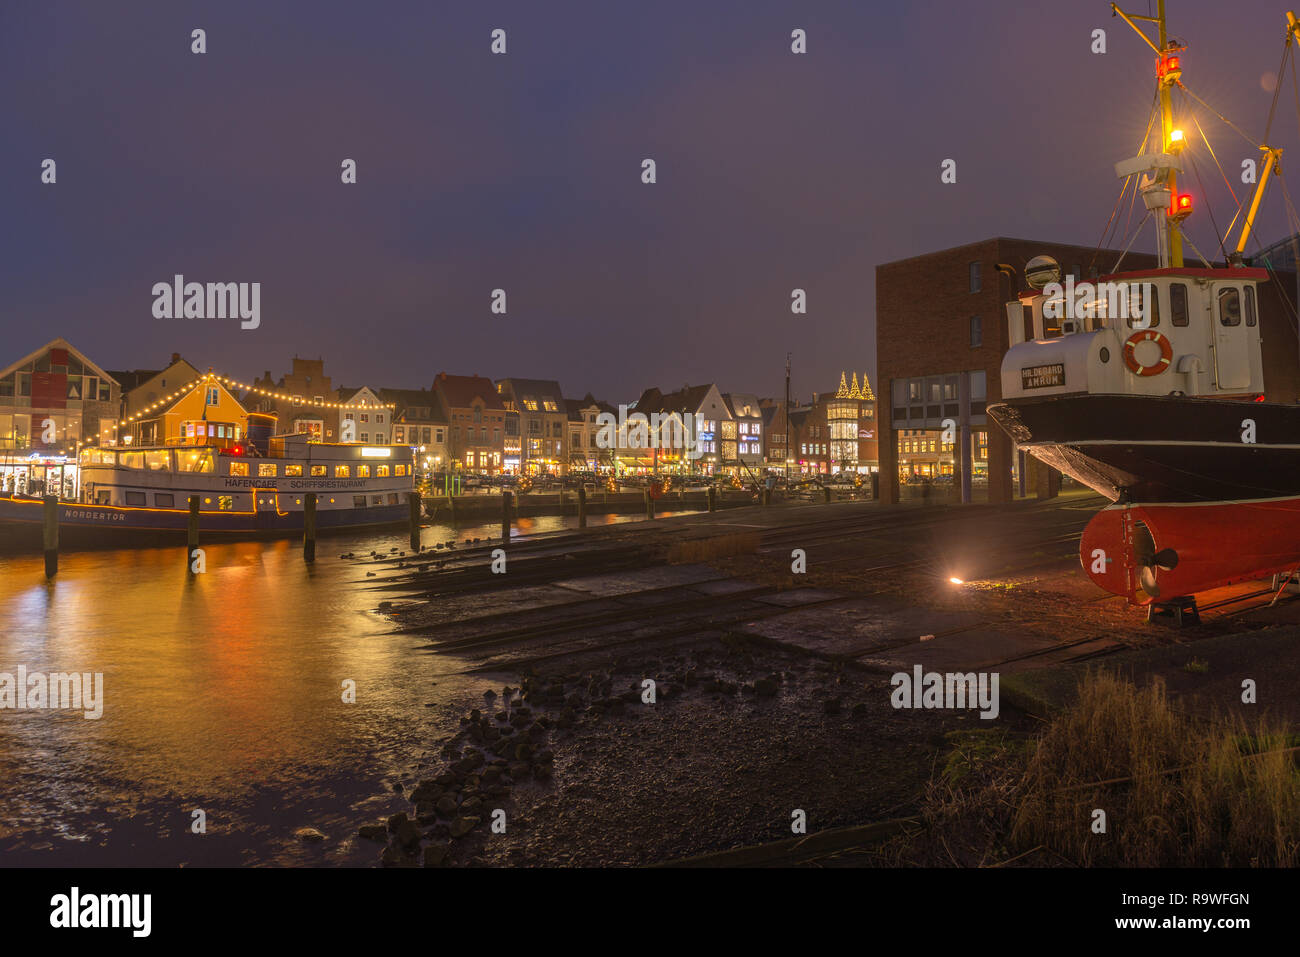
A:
(271, 470)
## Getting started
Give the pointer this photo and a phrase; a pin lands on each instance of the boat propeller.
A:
(1148, 560)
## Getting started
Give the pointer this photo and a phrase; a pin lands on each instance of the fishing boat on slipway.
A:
(1151, 389)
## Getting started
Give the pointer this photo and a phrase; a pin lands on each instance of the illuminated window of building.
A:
(266, 470)
(238, 468)
(293, 470)
(318, 470)
(342, 471)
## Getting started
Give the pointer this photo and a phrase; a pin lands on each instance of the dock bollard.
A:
(416, 504)
(582, 507)
(713, 498)
(309, 527)
(51, 535)
(192, 532)
(505, 517)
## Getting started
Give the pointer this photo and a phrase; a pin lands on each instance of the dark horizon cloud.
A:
(522, 172)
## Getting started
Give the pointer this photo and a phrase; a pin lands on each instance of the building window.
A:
(214, 396)
(976, 332)
(399, 434)
(975, 277)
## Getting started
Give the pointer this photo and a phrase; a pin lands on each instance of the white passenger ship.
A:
(243, 489)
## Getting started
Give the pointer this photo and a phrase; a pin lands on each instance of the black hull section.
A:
(1145, 449)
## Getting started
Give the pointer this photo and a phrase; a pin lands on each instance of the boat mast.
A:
(1160, 192)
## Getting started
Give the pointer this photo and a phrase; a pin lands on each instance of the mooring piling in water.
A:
(582, 507)
(50, 535)
(192, 532)
(416, 505)
(309, 527)
(505, 517)
(649, 505)
(713, 498)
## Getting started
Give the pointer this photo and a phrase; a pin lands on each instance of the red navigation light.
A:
(237, 450)
(1260, 397)
(1182, 207)
(1169, 67)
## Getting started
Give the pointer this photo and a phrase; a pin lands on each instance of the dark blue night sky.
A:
(522, 171)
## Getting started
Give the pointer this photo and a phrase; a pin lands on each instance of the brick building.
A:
(476, 422)
(307, 400)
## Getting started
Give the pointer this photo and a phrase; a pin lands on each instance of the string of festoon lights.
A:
(190, 386)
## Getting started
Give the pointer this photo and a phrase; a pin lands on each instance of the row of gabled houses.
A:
(56, 401)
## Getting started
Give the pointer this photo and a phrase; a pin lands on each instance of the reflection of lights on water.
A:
(956, 581)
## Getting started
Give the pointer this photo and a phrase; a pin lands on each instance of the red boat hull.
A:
(1208, 545)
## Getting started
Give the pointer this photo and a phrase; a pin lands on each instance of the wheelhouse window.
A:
(1178, 303)
(1229, 306)
(1139, 295)
(1250, 305)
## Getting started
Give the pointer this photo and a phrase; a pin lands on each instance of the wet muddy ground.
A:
(772, 691)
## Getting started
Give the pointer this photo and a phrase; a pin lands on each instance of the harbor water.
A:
(223, 703)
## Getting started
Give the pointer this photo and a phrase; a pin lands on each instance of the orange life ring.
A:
(1148, 335)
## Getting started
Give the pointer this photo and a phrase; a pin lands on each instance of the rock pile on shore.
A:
(496, 748)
